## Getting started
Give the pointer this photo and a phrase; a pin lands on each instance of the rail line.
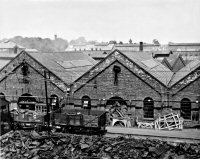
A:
(162, 138)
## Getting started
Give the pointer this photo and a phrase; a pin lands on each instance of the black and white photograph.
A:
(100, 79)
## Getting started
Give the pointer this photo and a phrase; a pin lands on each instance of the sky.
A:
(102, 20)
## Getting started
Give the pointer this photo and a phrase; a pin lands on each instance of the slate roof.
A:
(66, 65)
(97, 54)
(155, 68)
(9, 44)
(172, 59)
(185, 71)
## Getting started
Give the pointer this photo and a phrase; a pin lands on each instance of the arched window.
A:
(86, 102)
(54, 102)
(148, 107)
(3, 102)
(186, 108)
(116, 70)
(27, 101)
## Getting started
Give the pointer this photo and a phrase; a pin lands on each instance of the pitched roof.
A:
(9, 44)
(155, 68)
(185, 71)
(158, 70)
(97, 54)
(66, 65)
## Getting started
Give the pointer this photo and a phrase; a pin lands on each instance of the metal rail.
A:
(162, 138)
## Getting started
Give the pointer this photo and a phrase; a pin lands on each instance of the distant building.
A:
(90, 47)
(137, 47)
(184, 46)
(10, 47)
(97, 55)
(9, 50)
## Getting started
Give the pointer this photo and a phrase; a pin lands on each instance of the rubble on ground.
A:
(33, 145)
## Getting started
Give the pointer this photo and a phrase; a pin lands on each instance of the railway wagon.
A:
(25, 120)
(80, 121)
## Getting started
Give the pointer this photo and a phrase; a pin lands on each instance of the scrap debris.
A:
(33, 145)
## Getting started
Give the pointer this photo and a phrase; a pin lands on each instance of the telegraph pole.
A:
(47, 105)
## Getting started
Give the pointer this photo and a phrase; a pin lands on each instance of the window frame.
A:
(184, 111)
(148, 105)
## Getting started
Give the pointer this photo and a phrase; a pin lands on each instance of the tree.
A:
(156, 42)
(113, 42)
(120, 42)
(43, 45)
(80, 40)
(130, 41)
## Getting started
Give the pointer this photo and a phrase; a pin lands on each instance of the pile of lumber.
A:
(169, 122)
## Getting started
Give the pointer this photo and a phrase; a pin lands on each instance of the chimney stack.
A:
(141, 46)
(55, 36)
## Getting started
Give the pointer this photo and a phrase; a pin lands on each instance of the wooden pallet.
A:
(170, 121)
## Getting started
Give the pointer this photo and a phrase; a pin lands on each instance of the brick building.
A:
(133, 80)
(143, 85)
(22, 80)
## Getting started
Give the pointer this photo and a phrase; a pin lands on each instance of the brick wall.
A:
(192, 92)
(13, 84)
(130, 87)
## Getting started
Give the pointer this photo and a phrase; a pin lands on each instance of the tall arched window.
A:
(86, 102)
(27, 101)
(186, 108)
(148, 107)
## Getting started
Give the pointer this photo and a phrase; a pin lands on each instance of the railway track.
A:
(169, 139)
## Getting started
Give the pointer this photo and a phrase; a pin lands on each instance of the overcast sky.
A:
(102, 20)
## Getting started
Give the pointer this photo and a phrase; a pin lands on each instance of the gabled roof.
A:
(182, 73)
(66, 65)
(137, 62)
(165, 62)
(9, 44)
(155, 68)
(176, 62)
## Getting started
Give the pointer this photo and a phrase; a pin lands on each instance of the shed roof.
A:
(66, 65)
(155, 68)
